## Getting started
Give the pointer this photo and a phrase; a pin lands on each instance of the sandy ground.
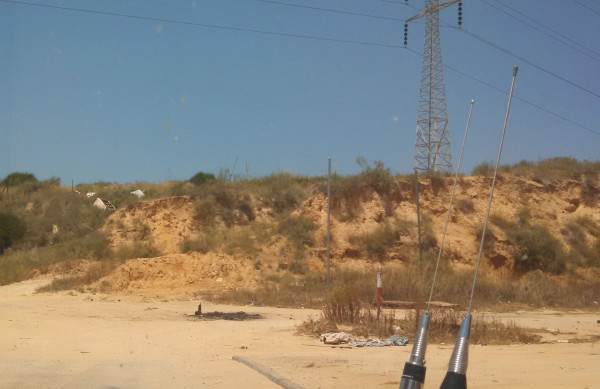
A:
(73, 340)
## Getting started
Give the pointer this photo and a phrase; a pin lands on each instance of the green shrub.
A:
(201, 178)
(94, 245)
(18, 178)
(582, 252)
(378, 242)
(298, 229)
(377, 177)
(538, 249)
(12, 229)
(282, 192)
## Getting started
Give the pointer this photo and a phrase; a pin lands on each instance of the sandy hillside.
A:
(165, 223)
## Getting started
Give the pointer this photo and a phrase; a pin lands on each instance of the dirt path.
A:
(73, 340)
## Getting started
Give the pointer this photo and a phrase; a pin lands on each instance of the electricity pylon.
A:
(433, 142)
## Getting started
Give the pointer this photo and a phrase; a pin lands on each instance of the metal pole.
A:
(418, 216)
(379, 292)
(328, 223)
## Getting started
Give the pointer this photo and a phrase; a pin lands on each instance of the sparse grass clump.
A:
(535, 247)
(136, 250)
(428, 238)
(281, 192)
(348, 192)
(94, 273)
(465, 206)
(485, 169)
(378, 242)
(554, 169)
(299, 230)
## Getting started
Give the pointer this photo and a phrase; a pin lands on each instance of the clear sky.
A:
(155, 89)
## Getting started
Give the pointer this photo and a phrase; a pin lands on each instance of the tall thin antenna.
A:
(456, 376)
(328, 223)
(462, 149)
(432, 147)
(413, 375)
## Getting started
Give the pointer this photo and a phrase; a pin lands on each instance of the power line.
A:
(587, 7)
(531, 63)
(519, 57)
(299, 36)
(491, 86)
(548, 28)
(330, 10)
(538, 29)
(206, 25)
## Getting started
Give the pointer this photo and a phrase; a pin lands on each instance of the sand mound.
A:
(180, 274)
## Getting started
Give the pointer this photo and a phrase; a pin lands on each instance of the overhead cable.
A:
(587, 7)
(548, 28)
(570, 45)
(299, 36)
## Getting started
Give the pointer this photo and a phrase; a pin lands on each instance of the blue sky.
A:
(91, 96)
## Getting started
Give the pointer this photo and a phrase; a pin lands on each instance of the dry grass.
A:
(377, 243)
(94, 273)
(443, 325)
(509, 292)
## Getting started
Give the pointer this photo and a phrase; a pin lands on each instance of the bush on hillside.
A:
(201, 178)
(18, 178)
(12, 229)
(538, 249)
(299, 231)
(484, 169)
(378, 242)
(282, 192)
(465, 206)
(554, 169)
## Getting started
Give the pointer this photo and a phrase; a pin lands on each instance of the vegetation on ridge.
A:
(275, 219)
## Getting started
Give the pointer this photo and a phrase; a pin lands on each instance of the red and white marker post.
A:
(379, 292)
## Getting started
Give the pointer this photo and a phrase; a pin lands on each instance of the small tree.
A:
(201, 178)
(18, 178)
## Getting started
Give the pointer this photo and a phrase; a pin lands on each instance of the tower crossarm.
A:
(432, 9)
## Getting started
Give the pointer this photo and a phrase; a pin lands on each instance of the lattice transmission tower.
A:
(432, 147)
